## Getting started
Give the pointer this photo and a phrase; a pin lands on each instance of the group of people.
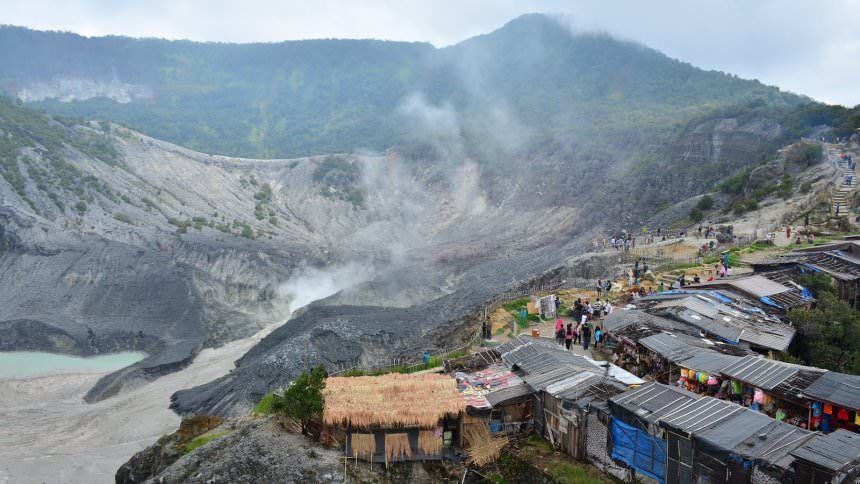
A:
(582, 328)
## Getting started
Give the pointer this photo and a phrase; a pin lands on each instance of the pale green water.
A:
(26, 364)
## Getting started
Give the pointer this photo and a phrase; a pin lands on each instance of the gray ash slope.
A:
(112, 240)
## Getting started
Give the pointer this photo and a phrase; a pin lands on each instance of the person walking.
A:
(568, 336)
(788, 232)
(559, 332)
(586, 335)
(598, 336)
(599, 287)
(577, 331)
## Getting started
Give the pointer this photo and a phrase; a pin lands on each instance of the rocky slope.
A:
(141, 244)
(244, 451)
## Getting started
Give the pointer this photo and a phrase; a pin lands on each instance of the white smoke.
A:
(309, 284)
(75, 89)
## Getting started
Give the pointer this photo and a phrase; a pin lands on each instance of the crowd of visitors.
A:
(585, 316)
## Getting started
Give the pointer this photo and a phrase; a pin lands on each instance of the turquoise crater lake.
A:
(27, 364)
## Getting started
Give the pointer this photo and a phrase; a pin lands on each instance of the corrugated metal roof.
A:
(625, 317)
(581, 378)
(673, 347)
(730, 324)
(761, 372)
(503, 395)
(538, 381)
(759, 286)
(709, 361)
(705, 413)
(780, 439)
(833, 451)
(601, 388)
(653, 401)
(700, 305)
(836, 388)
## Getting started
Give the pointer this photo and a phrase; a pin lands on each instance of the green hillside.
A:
(320, 96)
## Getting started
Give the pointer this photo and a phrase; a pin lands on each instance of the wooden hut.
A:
(395, 417)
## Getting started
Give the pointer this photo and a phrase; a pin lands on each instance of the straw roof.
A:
(391, 400)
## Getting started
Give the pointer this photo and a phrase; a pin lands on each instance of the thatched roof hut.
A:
(392, 400)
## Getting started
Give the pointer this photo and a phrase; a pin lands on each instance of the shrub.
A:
(786, 186)
(201, 441)
(705, 203)
(696, 214)
(806, 187)
(303, 400)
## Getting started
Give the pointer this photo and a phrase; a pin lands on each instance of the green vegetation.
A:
(340, 179)
(202, 440)
(705, 203)
(696, 214)
(804, 154)
(828, 335)
(330, 96)
(535, 455)
(735, 184)
(786, 186)
(49, 141)
(302, 401)
(806, 187)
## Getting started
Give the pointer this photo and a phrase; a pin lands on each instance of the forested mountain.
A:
(532, 77)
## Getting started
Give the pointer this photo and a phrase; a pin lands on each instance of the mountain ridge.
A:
(299, 98)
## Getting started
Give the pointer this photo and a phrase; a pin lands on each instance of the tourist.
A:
(598, 334)
(788, 232)
(568, 336)
(586, 335)
(660, 288)
(696, 279)
(599, 287)
(559, 332)
(577, 331)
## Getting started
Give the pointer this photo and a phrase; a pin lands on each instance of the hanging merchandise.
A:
(816, 409)
(828, 409)
(780, 415)
(857, 418)
(758, 397)
(712, 380)
(703, 377)
(842, 414)
(737, 388)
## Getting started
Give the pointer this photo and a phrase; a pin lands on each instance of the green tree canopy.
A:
(828, 335)
(302, 400)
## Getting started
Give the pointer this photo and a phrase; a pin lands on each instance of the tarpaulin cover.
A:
(644, 453)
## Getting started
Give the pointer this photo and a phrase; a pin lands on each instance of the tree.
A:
(705, 203)
(829, 335)
(302, 400)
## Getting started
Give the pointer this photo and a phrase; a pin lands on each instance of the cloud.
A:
(806, 47)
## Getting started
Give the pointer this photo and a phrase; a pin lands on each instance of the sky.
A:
(807, 47)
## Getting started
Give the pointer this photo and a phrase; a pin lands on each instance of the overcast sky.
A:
(808, 47)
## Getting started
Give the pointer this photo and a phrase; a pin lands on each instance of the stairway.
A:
(842, 194)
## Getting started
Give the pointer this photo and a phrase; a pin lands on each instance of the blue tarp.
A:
(639, 450)
(769, 302)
